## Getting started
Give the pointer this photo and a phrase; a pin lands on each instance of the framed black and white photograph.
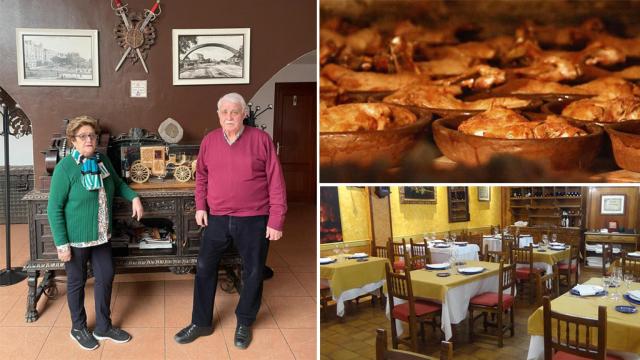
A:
(484, 193)
(211, 56)
(57, 57)
(417, 195)
(612, 204)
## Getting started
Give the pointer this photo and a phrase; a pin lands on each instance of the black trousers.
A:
(248, 235)
(102, 264)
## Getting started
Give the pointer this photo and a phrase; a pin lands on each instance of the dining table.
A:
(495, 241)
(623, 329)
(453, 291)
(545, 257)
(350, 277)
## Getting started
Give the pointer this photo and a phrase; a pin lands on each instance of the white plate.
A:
(438, 266)
(557, 247)
(634, 254)
(326, 260)
(471, 269)
(556, 244)
(359, 255)
(460, 242)
(436, 241)
(634, 294)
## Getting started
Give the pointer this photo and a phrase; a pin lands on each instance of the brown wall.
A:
(281, 31)
(630, 218)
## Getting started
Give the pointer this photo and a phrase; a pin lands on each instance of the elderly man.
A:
(240, 198)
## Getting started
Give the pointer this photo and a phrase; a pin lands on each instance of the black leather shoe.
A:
(243, 336)
(191, 333)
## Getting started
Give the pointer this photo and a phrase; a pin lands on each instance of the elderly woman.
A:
(80, 201)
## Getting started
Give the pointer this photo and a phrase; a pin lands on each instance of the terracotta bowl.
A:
(442, 113)
(558, 154)
(365, 148)
(362, 96)
(625, 139)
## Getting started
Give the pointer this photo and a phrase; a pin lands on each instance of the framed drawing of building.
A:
(211, 56)
(57, 57)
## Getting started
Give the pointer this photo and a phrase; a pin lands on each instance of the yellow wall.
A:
(354, 213)
(410, 220)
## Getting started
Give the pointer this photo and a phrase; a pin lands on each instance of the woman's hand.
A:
(138, 211)
(65, 255)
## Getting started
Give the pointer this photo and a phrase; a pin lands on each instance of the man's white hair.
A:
(234, 98)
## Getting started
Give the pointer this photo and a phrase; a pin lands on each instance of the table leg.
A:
(32, 299)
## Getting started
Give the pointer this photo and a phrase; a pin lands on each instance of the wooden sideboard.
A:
(628, 242)
(175, 207)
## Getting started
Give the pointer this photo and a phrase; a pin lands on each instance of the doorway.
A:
(294, 133)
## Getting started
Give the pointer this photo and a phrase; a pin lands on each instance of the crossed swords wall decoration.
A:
(138, 34)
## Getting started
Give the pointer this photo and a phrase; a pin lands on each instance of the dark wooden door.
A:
(294, 133)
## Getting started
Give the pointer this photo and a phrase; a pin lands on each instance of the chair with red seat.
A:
(547, 285)
(525, 273)
(413, 311)
(565, 335)
(325, 296)
(569, 270)
(397, 254)
(497, 304)
(420, 255)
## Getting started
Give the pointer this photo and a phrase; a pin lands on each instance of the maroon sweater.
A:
(242, 179)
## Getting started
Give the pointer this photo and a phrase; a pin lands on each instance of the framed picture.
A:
(417, 195)
(330, 221)
(612, 204)
(484, 193)
(57, 57)
(211, 56)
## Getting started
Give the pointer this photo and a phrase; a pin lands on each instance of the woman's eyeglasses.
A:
(84, 137)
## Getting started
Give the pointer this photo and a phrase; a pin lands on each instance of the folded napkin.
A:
(635, 294)
(587, 290)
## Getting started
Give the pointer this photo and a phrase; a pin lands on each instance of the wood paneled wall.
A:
(629, 220)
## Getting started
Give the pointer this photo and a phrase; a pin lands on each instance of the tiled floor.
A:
(154, 306)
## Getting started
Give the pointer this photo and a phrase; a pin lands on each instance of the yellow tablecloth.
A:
(551, 256)
(427, 284)
(352, 274)
(623, 330)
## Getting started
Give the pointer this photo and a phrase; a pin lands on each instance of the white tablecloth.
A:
(495, 242)
(441, 255)
(456, 303)
(536, 350)
(352, 294)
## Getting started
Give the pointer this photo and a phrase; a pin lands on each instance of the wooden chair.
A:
(547, 285)
(631, 265)
(569, 270)
(384, 353)
(496, 304)
(475, 238)
(397, 254)
(413, 311)
(493, 256)
(420, 255)
(381, 251)
(508, 243)
(325, 296)
(570, 334)
(525, 274)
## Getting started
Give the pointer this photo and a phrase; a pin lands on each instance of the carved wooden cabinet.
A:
(458, 201)
(174, 207)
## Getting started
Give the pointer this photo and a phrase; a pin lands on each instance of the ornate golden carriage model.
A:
(155, 160)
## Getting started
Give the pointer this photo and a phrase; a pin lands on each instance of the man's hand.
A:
(138, 211)
(201, 218)
(273, 234)
(64, 256)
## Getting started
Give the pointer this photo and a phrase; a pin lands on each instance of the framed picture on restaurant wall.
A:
(484, 193)
(57, 57)
(612, 204)
(417, 195)
(211, 56)
(330, 221)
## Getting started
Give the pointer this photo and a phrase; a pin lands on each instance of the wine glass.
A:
(453, 237)
(554, 237)
(346, 249)
(545, 239)
(336, 251)
(628, 279)
(614, 283)
(606, 281)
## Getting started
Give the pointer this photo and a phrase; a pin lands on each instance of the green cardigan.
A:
(72, 209)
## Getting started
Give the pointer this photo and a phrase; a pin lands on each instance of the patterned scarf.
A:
(92, 169)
